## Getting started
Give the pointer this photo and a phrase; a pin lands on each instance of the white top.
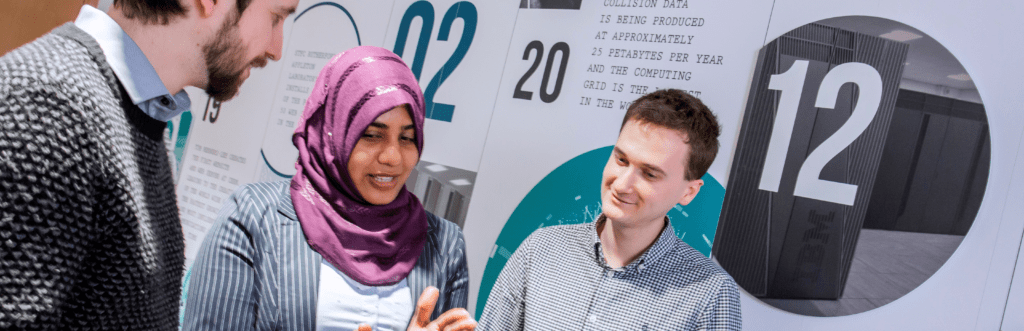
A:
(344, 303)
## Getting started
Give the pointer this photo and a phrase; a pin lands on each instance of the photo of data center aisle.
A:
(443, 190)
(886, 266)
(918, 168)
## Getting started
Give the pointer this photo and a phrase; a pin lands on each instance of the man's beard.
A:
(225, 61)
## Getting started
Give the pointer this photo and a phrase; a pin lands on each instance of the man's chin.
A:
(222, 97)
(245, 74)
(224, 93)
(613, 212)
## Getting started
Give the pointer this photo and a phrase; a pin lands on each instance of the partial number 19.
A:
(790, 85)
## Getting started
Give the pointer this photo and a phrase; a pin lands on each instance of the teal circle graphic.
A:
(571, 194)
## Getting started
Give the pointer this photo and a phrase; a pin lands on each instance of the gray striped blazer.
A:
(255, 270)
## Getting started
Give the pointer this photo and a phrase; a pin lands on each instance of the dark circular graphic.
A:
(860, 166)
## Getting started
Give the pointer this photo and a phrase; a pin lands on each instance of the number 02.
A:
(790, 85)
(423, 9)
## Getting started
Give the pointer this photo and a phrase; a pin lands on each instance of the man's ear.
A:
(692, 188)
(205, 7)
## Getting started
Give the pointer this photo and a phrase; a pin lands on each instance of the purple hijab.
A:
(375, 245)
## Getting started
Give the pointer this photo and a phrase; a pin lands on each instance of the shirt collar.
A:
(132, 68)
(663, 244)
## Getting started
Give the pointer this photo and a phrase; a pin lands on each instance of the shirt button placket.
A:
(599, 302)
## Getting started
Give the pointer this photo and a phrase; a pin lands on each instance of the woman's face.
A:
(384, 156)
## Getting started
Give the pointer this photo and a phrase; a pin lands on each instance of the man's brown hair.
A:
(680, 111)
(161, 11)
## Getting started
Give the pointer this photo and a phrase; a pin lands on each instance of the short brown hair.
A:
(680, 111)
(160, 11)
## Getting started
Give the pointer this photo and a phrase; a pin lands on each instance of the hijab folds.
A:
(372, 244)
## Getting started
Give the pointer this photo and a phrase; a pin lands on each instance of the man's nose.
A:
(274, 50)
(624, 182)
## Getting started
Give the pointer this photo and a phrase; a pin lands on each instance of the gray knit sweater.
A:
(89, 231)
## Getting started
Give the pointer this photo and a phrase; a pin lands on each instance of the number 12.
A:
(790, 85)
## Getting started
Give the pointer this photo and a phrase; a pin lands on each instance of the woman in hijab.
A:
(343, 244)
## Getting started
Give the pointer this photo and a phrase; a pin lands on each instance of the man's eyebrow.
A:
(652, 168)
(286, 10)
(648, 166)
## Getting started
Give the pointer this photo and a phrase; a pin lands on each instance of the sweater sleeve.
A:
(47, 201)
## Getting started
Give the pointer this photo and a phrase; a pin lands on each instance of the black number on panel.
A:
(216, 110)
(546, 97)
(519, 93)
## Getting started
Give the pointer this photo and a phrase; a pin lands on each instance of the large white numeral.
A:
(869, 83)
(790, 84)
(808, 182)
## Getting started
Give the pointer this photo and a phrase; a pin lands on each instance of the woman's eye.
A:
(409, 139)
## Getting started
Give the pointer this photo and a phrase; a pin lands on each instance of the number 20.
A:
(790, 85)
(559, 47)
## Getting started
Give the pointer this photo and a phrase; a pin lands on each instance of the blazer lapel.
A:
(300, 272)
(424, 273)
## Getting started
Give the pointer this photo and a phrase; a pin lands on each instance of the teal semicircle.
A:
(571, 194)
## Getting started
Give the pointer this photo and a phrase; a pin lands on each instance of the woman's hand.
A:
(457, 319)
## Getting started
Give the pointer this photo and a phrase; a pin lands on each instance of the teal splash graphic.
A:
(184, 126)
(571, 194)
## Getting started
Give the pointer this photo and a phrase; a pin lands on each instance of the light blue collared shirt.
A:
(132, 67)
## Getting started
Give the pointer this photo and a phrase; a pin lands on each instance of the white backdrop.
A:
(512, 143)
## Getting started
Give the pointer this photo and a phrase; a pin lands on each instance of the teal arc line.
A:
(356, 28)
(358, 41)
(272, 167)
(571, 194)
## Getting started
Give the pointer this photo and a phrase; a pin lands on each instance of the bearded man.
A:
(89, 225)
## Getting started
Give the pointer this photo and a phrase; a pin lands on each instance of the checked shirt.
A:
(558, 280)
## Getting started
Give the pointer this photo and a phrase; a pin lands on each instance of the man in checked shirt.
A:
(627, 270)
